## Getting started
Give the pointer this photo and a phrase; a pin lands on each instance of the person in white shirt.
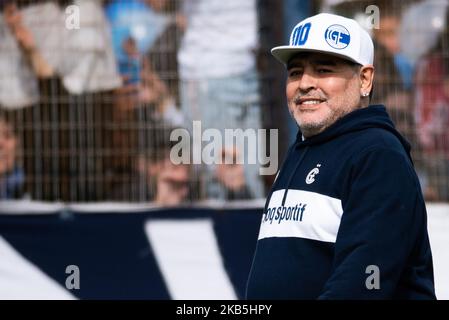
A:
(218, 75)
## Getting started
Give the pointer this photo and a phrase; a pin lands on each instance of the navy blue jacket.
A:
(345, 218)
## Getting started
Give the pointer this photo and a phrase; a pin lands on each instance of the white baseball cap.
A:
(331, 34)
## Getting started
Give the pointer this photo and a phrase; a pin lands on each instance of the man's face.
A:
(8, 145)
(320, 90)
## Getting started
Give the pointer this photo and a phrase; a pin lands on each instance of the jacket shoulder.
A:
(377, 138)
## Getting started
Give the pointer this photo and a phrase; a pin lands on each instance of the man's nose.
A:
(308, 81)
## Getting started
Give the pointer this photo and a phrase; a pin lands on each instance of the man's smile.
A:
(309, 104)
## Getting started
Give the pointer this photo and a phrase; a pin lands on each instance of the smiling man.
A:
(345, 218)
(314, 86)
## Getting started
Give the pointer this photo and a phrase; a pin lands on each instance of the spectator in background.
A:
(393, 85)
(145, 98)
(12, 176)
(169, 182)
(21, 64)
(137, 26)
(156, 178)
(432, 114)
(152, 177)
(393, 73)
(218, 75)
(232, 176)
(387, 36)
(26, 41)
(81, 57)
(162, 56)
(64, 77)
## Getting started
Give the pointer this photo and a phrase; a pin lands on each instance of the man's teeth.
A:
(311, 102)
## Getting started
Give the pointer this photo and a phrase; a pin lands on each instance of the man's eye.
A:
(294, 73)
(322, 70)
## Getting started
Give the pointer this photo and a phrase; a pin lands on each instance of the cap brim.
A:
(285, 53)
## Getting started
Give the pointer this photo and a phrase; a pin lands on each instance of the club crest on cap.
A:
(337, 36)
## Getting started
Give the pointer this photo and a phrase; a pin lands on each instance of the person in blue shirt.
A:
(12, 177)
(345, 217)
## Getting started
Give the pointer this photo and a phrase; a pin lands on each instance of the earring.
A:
(365, 94)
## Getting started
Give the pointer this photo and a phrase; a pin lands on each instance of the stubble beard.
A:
(312, 128)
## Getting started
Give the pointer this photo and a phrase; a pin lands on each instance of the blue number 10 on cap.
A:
(300, 34)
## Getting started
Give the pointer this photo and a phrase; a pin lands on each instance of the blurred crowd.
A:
(91, 90)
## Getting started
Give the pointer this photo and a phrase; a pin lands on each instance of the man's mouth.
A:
(308, 103)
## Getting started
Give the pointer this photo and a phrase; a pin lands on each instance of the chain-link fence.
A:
(90, 92)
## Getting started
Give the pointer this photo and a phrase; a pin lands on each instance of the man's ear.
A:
(366, 79)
